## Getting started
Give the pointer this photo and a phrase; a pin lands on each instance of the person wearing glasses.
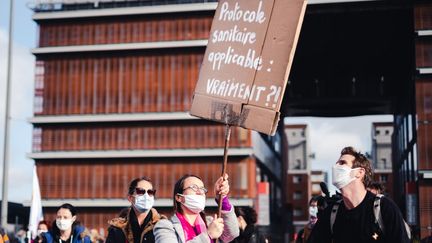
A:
(137, 224)
(188, 223)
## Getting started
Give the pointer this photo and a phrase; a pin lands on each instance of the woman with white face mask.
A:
(65, 228)
(188, 223)
(136, 226)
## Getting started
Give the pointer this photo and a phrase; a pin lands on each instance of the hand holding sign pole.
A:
(247, 62)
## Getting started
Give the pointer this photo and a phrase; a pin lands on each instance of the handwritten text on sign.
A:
(248, 58)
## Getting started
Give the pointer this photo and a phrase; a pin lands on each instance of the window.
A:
(384, 162)
(383, 178)
(297, 179)
(387, 132)
(316, 188)
(37, 139)
(297, 212)
(293, 134)
(377, 132)
(297, 195)
(298, 164)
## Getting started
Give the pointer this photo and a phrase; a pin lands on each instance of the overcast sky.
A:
(20, 168)
(327, 136)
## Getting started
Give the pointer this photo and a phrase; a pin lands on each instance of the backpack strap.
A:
(378, 216)
(377, 212)
(333, 214)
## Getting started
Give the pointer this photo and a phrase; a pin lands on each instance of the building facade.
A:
(317, 176)
(382, 155)
(298, 182)
(423, 121)
(113, 85)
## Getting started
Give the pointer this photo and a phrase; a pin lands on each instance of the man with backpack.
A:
(353, 218)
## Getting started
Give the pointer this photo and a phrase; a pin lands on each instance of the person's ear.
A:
(130, 198)
(179, 198)
(73, 218)
(361, 173)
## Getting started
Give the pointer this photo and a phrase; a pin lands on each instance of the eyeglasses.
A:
(197, 189)
(141, 191)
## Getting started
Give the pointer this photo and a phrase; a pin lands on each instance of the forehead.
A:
(192, 181)
(64, 212)
(144, 184)
(346, 159)
(43, 226)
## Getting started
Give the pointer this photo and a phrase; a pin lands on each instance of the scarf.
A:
(190, 231)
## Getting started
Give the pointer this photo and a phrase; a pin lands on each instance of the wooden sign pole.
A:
(224, 166)
(225, 161)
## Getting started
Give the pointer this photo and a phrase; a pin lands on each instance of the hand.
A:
(215, 228)
(222, 186)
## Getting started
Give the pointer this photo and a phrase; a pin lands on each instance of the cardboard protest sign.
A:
(247, 62)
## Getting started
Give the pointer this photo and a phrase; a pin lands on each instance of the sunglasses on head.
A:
(140, 191)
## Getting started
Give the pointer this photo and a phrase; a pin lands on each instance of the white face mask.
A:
(64, 224)
(41, 231)
(342, 175)
(313, 211)
(143, 202)
(195, 203)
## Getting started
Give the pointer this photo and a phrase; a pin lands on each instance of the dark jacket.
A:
(248, 235)
(121, 229)
(79, 235)
(304, 234)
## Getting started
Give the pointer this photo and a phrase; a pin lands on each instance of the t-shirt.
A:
(358, 225)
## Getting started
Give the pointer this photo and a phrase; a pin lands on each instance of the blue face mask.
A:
(143, 202)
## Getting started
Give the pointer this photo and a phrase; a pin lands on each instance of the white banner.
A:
(36, 206)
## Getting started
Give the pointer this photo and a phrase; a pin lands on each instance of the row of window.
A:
(424, 128)
(423, 52)
(126, 84)
(136, 137)
(110, 179)
(423, 17)
(148, 28)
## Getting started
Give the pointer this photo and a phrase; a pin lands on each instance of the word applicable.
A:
(250, 60)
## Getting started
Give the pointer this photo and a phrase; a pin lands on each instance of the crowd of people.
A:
(358, 213)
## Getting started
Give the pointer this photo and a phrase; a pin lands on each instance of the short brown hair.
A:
(360, 161)
(377, 186)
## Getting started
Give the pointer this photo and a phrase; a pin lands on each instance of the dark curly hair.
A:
(249, 214)
(377, 186)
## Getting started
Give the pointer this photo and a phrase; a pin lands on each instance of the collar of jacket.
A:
(124, 225)
(178, 228)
